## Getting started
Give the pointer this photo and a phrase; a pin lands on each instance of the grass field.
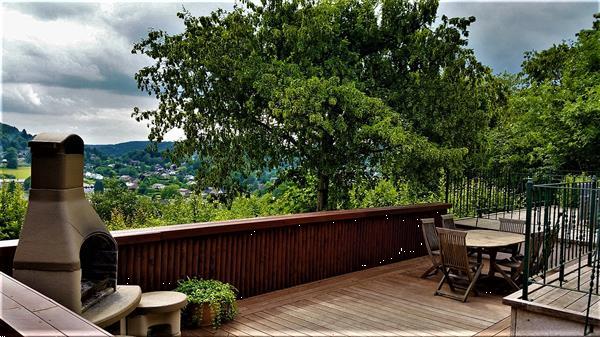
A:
(20, 173)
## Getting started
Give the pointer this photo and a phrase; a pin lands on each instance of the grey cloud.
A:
(134, 24)
(96, 69)
(504, 31)
(56, 10)
(97, 115)
(109, 65)
(49, 100)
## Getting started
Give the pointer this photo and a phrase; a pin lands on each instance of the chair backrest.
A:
(512, 225)
(453, 249)
(448, 221)
(549, 240)
(535, 251)
(430, 235)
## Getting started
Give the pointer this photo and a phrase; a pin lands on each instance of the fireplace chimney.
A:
(64, 249)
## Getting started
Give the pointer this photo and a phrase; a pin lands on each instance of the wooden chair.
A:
(456, 264)
(433, 246)
(448, 221)
(535, 256)
(549, 241)
(512, 226)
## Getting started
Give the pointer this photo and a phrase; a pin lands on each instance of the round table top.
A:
(115, 306)
(162, 301)
(488, 238)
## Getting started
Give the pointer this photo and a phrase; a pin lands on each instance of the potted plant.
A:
(210, 302)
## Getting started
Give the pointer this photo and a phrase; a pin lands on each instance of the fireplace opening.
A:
(98, 258)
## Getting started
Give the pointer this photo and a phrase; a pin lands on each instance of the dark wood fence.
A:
(265, 254)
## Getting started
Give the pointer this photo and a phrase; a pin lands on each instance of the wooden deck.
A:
(390, 300)
(564, 302)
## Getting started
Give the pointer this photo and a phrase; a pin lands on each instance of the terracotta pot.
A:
(203, 312)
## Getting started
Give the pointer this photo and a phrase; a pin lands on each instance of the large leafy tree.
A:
(338, 90)
(552, 119)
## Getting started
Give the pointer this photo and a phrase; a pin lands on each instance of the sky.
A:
(68, 67)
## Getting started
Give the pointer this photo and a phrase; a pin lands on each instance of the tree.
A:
(12, 160)
(170, 191)
(13, 207)
(98, 186)
(115, 198)
(552, 119)
(338, 90)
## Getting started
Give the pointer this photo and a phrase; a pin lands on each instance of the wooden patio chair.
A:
(456, 264)
(448, 221)
(535, 256)
(512, 226)
(433, 246)
(549, 241)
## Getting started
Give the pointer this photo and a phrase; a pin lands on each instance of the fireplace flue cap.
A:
(56, 161)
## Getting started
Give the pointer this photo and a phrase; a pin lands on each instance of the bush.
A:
(13, 207)
(218, 296)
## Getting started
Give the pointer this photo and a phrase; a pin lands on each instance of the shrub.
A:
(218, 296)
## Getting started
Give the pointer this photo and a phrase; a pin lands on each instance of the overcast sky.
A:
(68, 67)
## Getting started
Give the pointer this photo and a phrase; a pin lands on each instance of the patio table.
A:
(491, 241)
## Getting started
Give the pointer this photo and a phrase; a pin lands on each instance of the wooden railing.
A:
(264, 254)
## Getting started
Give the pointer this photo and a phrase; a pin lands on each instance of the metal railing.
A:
(497, 194)
(562, 237)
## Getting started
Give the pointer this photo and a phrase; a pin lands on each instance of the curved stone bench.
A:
(157, 309)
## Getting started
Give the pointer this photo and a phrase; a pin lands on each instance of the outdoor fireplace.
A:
(64, 249)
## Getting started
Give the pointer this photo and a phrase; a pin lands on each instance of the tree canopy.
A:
(338, 90)
(552, 119)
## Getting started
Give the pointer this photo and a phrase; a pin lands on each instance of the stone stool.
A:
(157, 309)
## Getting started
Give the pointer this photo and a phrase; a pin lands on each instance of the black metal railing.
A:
(497, 194)
(562, 237)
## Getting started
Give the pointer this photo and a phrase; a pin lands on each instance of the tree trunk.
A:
(323, 192)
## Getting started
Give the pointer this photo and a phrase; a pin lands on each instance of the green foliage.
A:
(322, 87)
(115, 200)
(13, 207)
(169, 191)
(98, 186)
(12, 137)
(221, 297)
(387, 193)
(12, 161)
(552, 117)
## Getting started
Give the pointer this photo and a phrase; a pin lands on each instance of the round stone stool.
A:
(157, 310)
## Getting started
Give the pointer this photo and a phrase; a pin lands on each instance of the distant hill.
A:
(117, 150)
(12, 137)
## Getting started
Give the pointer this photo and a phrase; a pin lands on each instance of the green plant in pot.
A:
(210, 302)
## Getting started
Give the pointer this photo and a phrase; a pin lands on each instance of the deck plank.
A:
(390, 300)
(497, 329)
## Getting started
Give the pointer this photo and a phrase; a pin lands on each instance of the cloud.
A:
(97, 115)
(505, 30)
(68, 67)
(54, 11)
(88, 46)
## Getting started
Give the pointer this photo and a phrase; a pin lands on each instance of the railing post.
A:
(527, 239)
(592, 220)
(589, 328)
(447, 186)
